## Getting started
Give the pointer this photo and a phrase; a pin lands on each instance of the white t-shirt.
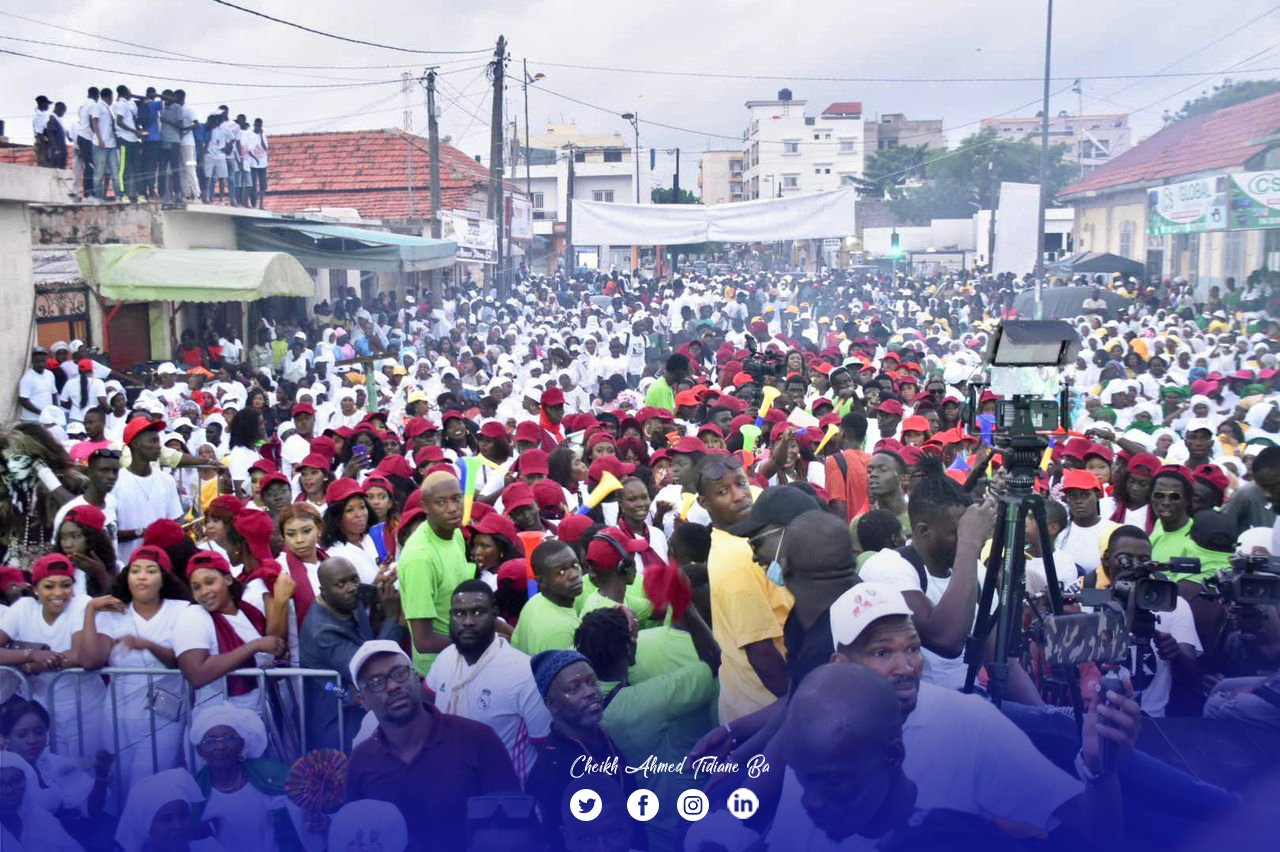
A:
(1181, 625)
(132, 689)
(142, 500)
(38, 389)
(188, 121)
(1084, 544)
(244, 818)
(889, 566)
(502, 695)
(106, 125)
(84, 130)
(363, 556)
(126, 112)
(963, 754)
(255, 145)
(194, 630)
(71, 396)
(673, 494)
(24, 622)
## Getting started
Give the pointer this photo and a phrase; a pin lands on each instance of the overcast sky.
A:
(777, 41)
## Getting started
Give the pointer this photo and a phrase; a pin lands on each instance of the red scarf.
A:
(548, 426)
(649, 556)
(229, 640)
(1118, 516)
(303, 595)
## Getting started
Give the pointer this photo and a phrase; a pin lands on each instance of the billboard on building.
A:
(477, 238)
(1255, 200)
(1188, 207)
(520, 217)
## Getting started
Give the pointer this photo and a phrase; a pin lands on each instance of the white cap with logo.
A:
(370, 649)
(854, 611)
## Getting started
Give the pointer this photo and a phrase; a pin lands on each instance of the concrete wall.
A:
(1099, 223)
(183, 229)
(86, 224)
(19, 187)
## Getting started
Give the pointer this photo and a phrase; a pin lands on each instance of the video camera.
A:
(1250, 581)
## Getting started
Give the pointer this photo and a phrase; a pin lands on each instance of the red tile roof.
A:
(368, 170)
(844, 108)
(1215, 140)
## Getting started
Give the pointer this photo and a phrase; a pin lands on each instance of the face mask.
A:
(775, 573)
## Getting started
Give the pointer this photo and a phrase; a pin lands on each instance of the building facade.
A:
(1091, 140)
(893, 129)
(720, 177)
(1198, 200)
(786, 152)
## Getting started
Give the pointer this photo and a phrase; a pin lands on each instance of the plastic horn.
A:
(686, 503)
(470, 481)
(530, 542)
(750, 436)
(770, 393)
(608, 484)
(832, 429)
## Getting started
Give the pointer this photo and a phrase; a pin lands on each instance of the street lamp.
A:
(635, 153)
(528, 176)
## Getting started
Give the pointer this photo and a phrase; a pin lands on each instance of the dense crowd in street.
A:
(726, 530)
(129, 147)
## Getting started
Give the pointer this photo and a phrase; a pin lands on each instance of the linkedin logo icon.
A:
(743, 803)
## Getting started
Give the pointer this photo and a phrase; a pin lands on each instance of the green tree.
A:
(889, 170)
(662, 195)
(962, 181)
(1227, 93)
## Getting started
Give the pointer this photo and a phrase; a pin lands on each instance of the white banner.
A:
(1016, 221)
(477, 238)
(823, 214)
(521, 218)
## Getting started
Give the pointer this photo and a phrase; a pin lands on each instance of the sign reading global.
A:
(1255, 200)
(1189, 206)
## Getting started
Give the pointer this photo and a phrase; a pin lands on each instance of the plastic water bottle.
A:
(338, 690)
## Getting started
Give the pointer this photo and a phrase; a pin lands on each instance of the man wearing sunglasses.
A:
(747, 611)
(425, 762)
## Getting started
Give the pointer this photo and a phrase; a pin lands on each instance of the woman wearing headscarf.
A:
(53, 620)
(64, 787)
(133, 627)
(243, 806)
(24, 825)
(158, 816)
(221, 634)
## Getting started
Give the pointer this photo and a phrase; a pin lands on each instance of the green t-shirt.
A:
(545, 626)
(430, 568)
(660, 395)
(634, 599)
(1165, 545)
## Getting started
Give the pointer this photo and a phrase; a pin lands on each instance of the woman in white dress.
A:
(133, 627)
(48, 628)
(219, 634)
(24, 825)
(158, 815)
(347, 518)
(63, 787)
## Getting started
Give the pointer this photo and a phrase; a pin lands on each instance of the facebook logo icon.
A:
(743, 803)
(642, 805)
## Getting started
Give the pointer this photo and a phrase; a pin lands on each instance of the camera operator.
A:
(1251, 645)
(1169, 657)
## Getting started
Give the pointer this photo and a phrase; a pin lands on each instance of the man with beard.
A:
(425, 762)
(333, 631)
(432, 564)
(572, 694)
(481, 677)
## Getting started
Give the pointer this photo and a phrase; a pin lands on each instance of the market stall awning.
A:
(341, 247)
(142, 273)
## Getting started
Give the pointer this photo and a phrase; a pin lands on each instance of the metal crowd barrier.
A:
(274, 706)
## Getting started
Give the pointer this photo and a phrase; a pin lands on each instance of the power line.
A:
(137, 74)
(348, 40)
(719, 75)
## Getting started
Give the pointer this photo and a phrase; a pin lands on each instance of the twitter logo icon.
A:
(586, 805)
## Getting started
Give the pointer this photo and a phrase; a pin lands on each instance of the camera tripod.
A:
(1006, 572)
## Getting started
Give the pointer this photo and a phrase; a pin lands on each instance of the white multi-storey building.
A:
(786, 152)
(1091, 140)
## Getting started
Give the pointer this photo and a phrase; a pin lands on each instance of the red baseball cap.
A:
(533, 461)
(87, 516)
(517, 495)
(138, 425)
(529, 432)
(915, 423)
(573, 528)
(316, 460)
(341, 490)
(889, 406)
(552, 396)
(428, 455)
(689, 445)
(496, 524)
(494, 429)
(607, 546)
(302, 408)
(51, 565)
(1080, 480)
(1144, 464)
(614, 465)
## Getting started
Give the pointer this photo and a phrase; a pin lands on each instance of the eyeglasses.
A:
(1166, 496)
(219, 741)
(512, 807)
(716, 467)
(378, 683)
(104, 454)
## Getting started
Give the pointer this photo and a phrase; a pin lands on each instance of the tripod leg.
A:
(975, 645)
(1009, 623)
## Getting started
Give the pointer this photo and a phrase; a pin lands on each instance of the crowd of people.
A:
(152, 147)
(716, 536)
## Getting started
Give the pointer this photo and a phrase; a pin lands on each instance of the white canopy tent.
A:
(823, 214)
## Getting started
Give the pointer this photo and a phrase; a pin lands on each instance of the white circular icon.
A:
(692, 805)
(586, 805)
(743, 803)
(642, 805)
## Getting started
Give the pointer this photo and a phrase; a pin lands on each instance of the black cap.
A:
(780, 504)
(41, 99)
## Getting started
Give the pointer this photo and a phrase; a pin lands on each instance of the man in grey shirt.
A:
(171, 128)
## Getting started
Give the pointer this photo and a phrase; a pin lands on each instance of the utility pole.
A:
(433, 151)
(406, 124)
(497, 205)
(991, 220)
(675, 199)
(528, 174)
(1044, 155)
(568, 221)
